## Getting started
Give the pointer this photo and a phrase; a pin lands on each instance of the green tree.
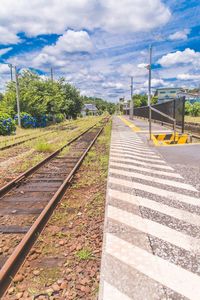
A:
(195, 109)
(140, 100)
(42, 97)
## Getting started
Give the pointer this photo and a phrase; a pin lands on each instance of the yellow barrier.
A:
(168, 139)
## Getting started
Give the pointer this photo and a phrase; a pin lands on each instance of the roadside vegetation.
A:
(192, 110)
(15, 160)
(43, 102)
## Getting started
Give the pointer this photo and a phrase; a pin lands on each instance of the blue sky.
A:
(98, 44)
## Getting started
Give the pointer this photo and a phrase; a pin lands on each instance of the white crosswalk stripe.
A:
(156, 206)
(137, 157)
(149, 200)
(138, 162)
(155, 229)
(134, 152)
(148, 170)
(143, 150)
(136, 146)
(112, 293)
(157, 191)
(173, 183)
(168, 274)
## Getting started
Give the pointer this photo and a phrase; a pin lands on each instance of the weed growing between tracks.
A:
(18, 159)
(65, 262)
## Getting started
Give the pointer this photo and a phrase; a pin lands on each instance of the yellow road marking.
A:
(130, 124)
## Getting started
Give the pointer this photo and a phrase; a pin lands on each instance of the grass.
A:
(42, 146)
(192, 119)
(84, 254)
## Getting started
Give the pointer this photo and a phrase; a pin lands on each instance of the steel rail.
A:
(24, 141)
(30, 171)
(18, 256)
(29, 139)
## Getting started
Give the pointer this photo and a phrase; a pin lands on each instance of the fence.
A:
(174, 109)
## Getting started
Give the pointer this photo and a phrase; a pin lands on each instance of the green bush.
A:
(27, 121)
(195, 109)
(59, 118)
(7, 124)
(188, 107)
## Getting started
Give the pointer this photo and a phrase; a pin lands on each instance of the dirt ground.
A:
(65, 261)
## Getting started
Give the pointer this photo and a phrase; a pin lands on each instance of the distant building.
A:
(167, 94)
(191, 97)
(89, 109)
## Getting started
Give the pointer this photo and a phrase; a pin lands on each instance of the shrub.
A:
(27, 121)
(195, 109)
(41, 121)
(59, 118)
(7, 124)
(44, 147)
(188, 107)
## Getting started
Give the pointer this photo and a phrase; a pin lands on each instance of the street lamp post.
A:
(131, 103)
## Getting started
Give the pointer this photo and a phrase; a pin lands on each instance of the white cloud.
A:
(50, 16)
(179, 35)
(70, 41)
(188, 56)
(113, 85)
(5, 50)
(134, 15)
(188, 76)
(156, 83)
(134, 70)
(7, 35)
(4, 69)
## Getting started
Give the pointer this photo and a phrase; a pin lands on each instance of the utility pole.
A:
(52, 74)
(131, 103)
(17, 96)
(11, 73)
(149, 89)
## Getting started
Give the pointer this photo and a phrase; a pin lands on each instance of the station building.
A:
(167, 94)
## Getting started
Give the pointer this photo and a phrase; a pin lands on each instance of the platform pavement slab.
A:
(151, 247)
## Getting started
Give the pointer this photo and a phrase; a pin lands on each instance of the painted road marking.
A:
(157, 206)
(112, 293)
(132, 149)
(128, 143)
(155, 229)
(137, 157)
(173, 183)
(153, 190)
(130, 161)
(148, 170)
(134, 152)
(141, 145)
(176, 278)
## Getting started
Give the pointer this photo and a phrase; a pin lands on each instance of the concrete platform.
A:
(151, 246)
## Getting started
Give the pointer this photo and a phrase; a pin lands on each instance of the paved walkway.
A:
(152, 225)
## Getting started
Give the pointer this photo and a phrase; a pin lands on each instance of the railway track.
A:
(23, 141)
(29, 200)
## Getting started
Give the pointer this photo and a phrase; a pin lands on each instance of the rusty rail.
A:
(30, 171)
(19, 254)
